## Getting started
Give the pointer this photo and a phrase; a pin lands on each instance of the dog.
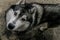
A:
(24, 16)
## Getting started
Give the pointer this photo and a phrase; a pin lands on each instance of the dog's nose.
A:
(10, 26)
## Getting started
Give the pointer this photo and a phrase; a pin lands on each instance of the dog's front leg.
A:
(44, 26)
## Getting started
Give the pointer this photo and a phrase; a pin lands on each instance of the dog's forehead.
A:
(21, 9)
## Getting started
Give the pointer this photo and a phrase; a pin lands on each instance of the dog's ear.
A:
(33, 12)
(39, 11)
(21, 2)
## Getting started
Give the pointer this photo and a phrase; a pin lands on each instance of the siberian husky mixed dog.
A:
(23, 16)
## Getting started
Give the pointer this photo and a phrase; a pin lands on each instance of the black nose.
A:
(10, 26)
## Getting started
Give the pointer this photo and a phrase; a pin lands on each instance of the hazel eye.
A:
(15, 13)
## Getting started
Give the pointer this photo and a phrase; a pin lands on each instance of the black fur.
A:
(52, 15)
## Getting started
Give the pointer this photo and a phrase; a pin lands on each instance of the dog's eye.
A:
(15, 13)
(23, 19)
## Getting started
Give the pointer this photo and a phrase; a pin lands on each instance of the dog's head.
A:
(20, 16)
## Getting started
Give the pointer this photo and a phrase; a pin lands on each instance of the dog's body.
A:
(23, 16)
